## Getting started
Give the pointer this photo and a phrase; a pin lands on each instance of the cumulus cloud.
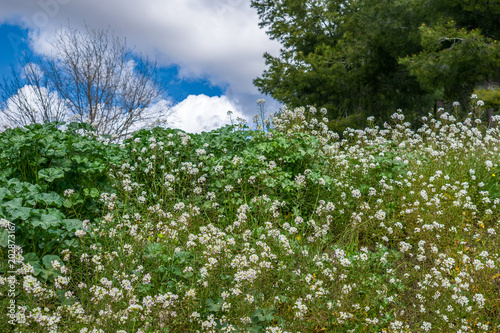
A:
(218, 40)
(200, 113)
(32, 104)
(195, 114)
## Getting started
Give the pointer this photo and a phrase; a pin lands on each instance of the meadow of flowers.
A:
(294, 229)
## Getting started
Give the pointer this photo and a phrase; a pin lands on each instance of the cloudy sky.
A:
(209, 51)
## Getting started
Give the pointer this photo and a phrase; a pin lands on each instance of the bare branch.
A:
(91, 75)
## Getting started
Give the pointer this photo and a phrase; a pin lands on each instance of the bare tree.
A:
(99, 79)
(27, 97)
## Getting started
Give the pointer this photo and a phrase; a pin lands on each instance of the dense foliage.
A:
(289, 230)
(371, 56)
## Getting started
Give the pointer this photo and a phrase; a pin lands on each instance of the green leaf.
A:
(73, 224)
(263, 315)
(61, 297)
(214, 306)
(47, 274)
(56, 213)
(69, 243)
(4, 238)
(282, 298)
(183, 257)
(37, 268)
(175, 270)
(51, 174)
(15, 203)
(48, 259)
(68, 203)
(32, 258)
(41, 160)
(46, 221)
(269, 316)
(153, 249)
(75, 126)
(50, 199)
(22, 213)
(4, 192)
(93, 192)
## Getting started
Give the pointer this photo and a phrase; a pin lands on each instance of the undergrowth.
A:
(294, 229)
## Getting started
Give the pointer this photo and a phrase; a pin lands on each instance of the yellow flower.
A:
(493, 175)
(298, 237)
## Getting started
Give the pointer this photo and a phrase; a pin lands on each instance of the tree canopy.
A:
(375, 56)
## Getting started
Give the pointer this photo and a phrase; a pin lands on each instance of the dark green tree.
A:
(341, 55)
(460, 48)
(362, 57)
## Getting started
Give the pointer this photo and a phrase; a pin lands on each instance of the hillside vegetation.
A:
(295, 229)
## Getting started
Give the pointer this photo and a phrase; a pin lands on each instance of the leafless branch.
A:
(95, 77)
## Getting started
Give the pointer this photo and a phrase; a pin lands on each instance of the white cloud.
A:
(195, 114)
(218, 39)
(33, 70)
(32, 104)
(200, 113)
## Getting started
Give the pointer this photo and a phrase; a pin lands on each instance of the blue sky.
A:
(14, 42)
(208, 51)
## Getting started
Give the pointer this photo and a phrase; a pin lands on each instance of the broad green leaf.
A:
(4, 192)
(55, 212)
(32, 258)
(175, 270)
(22, 213)
(42, 160)
(49, 258)
(70, 243)
(50, 199)
(4, 238)
(15, 203)
(46, 221)
(80, 159)
(153, 249)
(45, 274)
(61, 296)
(37, 268)
(93, 192)
(51, 174)
(68, 203)
(183, 257)
(73, 224)
(214, 306)
(32, 189)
